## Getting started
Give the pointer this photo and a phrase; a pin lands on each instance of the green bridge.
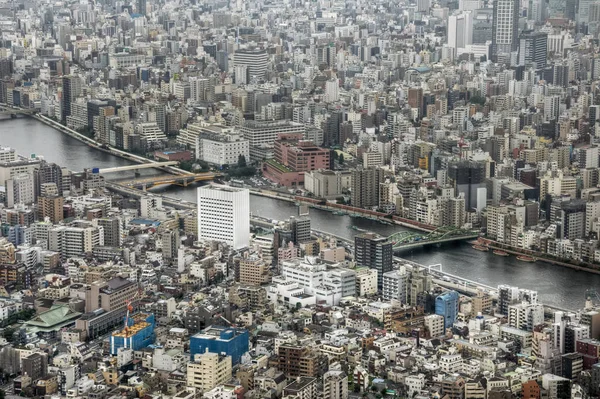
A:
(413, 239)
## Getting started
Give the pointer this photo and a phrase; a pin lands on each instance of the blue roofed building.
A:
(138, 334)
(446, 305)
(230, 341)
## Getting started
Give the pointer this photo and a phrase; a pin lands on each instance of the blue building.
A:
(138, 335)
(230, 341)
(447, 305)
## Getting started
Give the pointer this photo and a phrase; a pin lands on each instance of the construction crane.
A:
(128, 303)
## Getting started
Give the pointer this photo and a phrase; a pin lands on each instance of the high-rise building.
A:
(71, 90)
(300, 228)
(396, 285)
(141, 7)
(255, 61)
(48, 173)
(253, 270)
(20, 190)
(111, 228)
(224, 215)
(365, 187)
(446, 305)
(208, 370)
(51, 207)
(228, 341)
(170, 244)
(374, 252)
(301, 361)
(468, 178)
(505, 27)
(533, 48)
(460, 29)
(415, 98)
(537, 11)
(335, 385)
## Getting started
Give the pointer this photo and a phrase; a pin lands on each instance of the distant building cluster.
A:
(466, 118)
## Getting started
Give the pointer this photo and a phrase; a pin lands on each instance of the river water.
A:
(556, 285)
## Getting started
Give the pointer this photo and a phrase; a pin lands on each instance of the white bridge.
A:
(137, 167)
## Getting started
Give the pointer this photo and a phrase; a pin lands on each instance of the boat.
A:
(524, 258)
(501, 253)
(481, 248)
(357, 228)
(339, 213)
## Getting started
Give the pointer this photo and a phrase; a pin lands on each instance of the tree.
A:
(478, 100)
(241, 161)
(341, 159)
(8, 334)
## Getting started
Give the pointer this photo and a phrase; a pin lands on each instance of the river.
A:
(556, 285)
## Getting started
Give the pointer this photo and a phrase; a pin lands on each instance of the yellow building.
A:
(208, 370)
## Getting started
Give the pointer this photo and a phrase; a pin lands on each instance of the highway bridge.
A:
(137, 167)
(177, 180)
(411, 239)
(13, 112)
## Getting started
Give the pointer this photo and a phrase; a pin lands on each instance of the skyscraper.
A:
(468, 177)
(533, 47)
(71, 90)
(365, 187)
(224, 215)
(255, 60)
(460, 29)
(374, 252)
(505, 27)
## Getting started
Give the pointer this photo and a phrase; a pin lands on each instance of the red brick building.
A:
(292, 157)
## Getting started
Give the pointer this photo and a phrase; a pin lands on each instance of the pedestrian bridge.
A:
(412, 239)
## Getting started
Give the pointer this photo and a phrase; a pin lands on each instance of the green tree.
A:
(341, 159)
(8, 333)
(241, 161)
(477, 99)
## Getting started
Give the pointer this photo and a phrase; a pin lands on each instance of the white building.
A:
(435, 324)
(224, 215)
(396, 285)
(366, 282)
(460, 30)
(151, 132)
(222, 149)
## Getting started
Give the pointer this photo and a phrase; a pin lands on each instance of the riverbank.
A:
(101, 147)
(540, 256)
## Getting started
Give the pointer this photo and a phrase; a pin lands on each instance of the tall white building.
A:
(396, 285)
(332, 87)
(460, 30)
(224, 215)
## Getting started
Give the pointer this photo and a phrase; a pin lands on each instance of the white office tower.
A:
(460, 30)
(224, 215)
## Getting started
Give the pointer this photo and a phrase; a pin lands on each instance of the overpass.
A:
(178, 180)
(13, 111)
(137, 167)
(412, 239)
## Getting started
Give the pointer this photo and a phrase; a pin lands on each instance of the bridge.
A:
(182, 180)
(13, 112)
(137, 167)
(413, 239)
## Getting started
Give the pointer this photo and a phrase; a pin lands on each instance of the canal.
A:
(556, 285)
